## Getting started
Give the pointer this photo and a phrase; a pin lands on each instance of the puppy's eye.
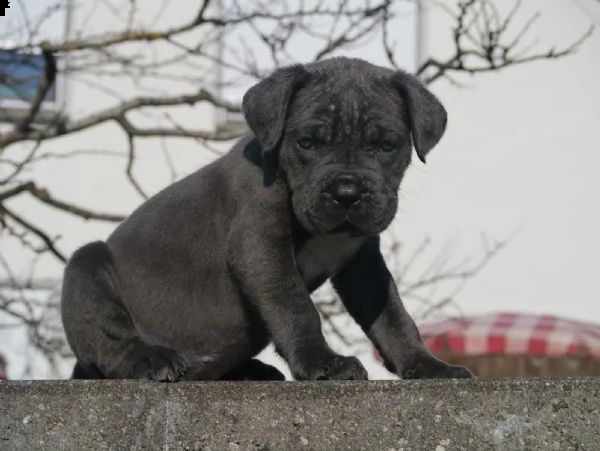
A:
(306, 142)
(387, 145)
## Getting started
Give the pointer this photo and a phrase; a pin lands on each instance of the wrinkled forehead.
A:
(355, 103)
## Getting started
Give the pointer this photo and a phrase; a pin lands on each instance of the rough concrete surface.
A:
(391, 415)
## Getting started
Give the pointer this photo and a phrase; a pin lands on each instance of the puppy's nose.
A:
(346, 190)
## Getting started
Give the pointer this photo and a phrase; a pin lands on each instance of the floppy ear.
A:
(427, 116)
(265, 108)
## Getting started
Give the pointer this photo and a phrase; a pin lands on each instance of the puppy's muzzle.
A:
(345, 191)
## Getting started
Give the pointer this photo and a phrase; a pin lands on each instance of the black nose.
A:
(346, 190)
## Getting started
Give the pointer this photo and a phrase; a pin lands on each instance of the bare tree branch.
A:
(129, 168)
(106, 41)
(36, 231)
(118, 114)
(491, 49)
(43, 88)
(44, 196)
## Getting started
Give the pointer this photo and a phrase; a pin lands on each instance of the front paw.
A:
(331, 367)
(159, 364)
(429, 367)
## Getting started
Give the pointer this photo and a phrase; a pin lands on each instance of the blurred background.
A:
(495, 246)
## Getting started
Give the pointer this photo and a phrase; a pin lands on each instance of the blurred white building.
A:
(521, 155)
(519, 159)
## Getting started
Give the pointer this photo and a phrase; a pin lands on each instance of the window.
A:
(22, 70)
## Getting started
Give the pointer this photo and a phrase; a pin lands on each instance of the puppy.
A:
(205, 274)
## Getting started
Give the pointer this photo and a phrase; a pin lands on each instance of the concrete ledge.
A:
(430, 415)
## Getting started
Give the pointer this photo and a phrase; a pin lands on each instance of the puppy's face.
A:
(344, 151)
(345, 140)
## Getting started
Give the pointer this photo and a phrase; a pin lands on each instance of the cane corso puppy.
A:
(208, 272)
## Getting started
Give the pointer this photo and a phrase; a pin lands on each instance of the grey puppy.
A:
(208, 272)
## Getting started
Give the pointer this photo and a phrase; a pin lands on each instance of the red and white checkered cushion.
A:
(513, 334)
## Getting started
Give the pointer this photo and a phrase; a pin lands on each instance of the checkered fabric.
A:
(513, 334)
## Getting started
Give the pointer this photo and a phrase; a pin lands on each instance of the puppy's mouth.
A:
(349, 228)
(365, 218)
(341, 225)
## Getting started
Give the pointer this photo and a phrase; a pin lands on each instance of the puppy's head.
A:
(340, 132)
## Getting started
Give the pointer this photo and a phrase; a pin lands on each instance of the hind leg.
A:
(254, 370)
(100, 330)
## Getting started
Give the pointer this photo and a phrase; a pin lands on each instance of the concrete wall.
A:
(402, 415)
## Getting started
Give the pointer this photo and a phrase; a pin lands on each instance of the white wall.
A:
(521, 153)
